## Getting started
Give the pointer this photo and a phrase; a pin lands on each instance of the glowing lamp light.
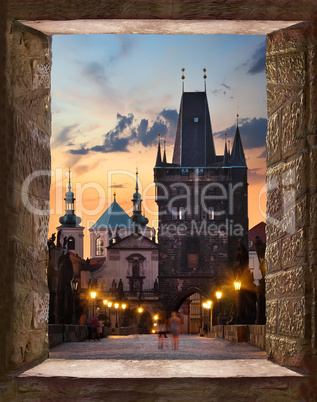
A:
(116, 305)
(155, 324)
(156, 317)
(140, 310)
(93, 294)
(209, 302)
(219, 295)
(105, 302)
(153, 331)
(109, 304)
(237, 284)
(124, 306)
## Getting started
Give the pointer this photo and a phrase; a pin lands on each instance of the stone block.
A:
(285, 350)
(273, 139)
(42, 74)
(273, 256)
(285, 41)
(22, 310)
(271, 69)
(21, 73)
(31, 45)
(36, 105)
(286, 284)
(291, 68)
(293, 249)
(293, 126)
(271, 316)
(40, 310)
(278, 95)
(291, 317)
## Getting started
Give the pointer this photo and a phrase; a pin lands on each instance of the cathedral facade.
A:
(202, 201)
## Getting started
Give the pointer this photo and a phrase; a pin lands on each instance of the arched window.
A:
(99, 246)
(71, 243)
(135, 268)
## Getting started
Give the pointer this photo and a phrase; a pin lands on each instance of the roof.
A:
(237, 154)
(113, 217)
(257, 230)
(134, 241)
(194, 145)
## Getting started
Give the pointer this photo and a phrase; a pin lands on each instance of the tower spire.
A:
(183, 77)
(69, 219)
(159, 155)
(226, 155)
(164, 155)
(237, 154)
(205, 76)
(114, 196)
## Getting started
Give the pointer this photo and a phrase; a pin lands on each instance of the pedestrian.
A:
(99, 330)
(175, 329)
(161, 330)
(94, 324)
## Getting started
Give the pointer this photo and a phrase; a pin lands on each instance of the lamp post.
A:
(93, 295)
(207, 306)
(74, 287)
(116, 306)
(218, 296)
(237, 287)
(109, 306)
(140, 311)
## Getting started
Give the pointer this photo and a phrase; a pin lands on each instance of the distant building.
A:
(70, 233)
(254, 263)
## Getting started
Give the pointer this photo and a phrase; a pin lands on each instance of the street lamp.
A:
(140, 311)
(93, 295)
(116, 306)
(207, 306)
(109, 306)
(237, 287)
(74, 287)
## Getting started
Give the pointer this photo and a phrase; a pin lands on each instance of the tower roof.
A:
(113, 217)
(237, 154)
(194, 145)
(69, 219)
(159, 154)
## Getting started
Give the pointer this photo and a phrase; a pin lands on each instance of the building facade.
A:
(202, 200)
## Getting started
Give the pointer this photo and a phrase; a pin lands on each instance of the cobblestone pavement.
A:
(145, 347)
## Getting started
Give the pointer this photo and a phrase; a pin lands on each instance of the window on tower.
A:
(71, 243)
(182, 213)
(211, 213)
(174, 213)
(99, 246)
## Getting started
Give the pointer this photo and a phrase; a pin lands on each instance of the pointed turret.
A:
(164, 155)
(159, 155)
(138, 220)
(237, 154)
(226, 154)
(69, 219)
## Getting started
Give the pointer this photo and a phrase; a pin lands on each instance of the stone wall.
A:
(291, 70)
(66, 333)
(27, 151)
(25, 61)
(256, 335)
(253, 334)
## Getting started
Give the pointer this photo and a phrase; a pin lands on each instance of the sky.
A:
(113, 94)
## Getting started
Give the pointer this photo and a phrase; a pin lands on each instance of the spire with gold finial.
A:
(114, 196)
(183, 77)
(159, 155)
(237, 153)
(205, 76)
(226, 154)
(164, 155)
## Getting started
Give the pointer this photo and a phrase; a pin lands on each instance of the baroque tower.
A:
(203, 206)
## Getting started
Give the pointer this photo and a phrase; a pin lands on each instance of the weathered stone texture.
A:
(291, 69)
(293, 249)
(291, 176)
(271, 316)
(291, 317)
(285, 350)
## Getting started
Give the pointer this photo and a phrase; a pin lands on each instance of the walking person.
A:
(175, 329)
(161, 333)
(94, 325)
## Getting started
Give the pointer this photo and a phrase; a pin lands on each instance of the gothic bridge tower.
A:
(203, 206)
